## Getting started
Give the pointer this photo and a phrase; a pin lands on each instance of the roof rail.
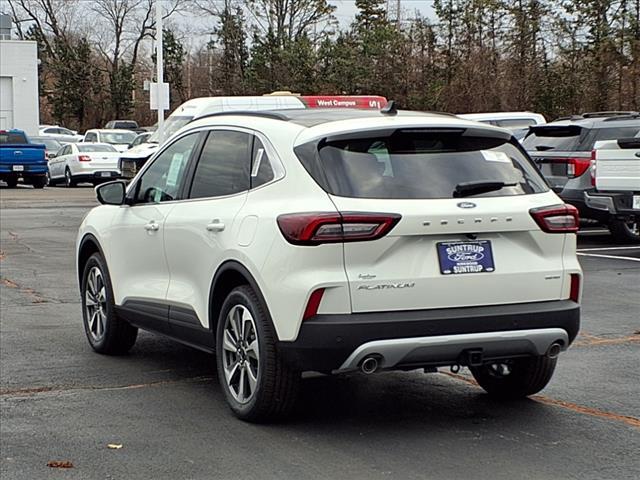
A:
(569, 117)
(612, 113)
(619, 118)
(263, 114)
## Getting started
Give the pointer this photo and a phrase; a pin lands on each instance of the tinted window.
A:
(161, 181)
(223, 168)
(418, 164)
(91, 137)
(12, 137)
(95, 148)
(261, 170)
(66, 150)
(541, 139)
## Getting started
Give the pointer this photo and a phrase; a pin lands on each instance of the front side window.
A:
(161, 181)
(224, 165)
(420, 164)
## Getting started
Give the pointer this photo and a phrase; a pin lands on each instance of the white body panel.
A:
(617, 169)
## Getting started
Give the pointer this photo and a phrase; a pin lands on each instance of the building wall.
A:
(19, 102)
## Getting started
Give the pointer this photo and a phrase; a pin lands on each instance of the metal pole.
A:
(159, 62)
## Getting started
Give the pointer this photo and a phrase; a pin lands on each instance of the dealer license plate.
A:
(18, 168)
(465, 257)
(636, 202)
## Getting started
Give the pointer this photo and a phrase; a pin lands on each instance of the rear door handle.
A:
(152, 227)
(215, 226)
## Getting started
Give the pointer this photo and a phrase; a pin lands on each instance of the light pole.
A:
(159, 64)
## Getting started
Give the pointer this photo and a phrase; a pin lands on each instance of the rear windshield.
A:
(418, 164)
(12, 137)
(573, 138)
(118, 138)
(49, 143)
(126, 124)
(542, 139)
(95, 148)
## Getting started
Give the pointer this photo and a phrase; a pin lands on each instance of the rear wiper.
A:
(465, 189)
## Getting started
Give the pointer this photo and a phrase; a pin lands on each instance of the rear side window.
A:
(12, 137)
(542, 139)
(224, 165)
(419, 164)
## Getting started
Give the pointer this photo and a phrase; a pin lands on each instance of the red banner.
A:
(344, 101)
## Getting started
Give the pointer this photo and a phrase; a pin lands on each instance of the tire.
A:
(625, 231)
(105, 332)
(273, 392)
(69, 182)
(515, 378)
(39, 182)
(12, 182)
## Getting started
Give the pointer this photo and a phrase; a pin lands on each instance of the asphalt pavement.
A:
(60, 401)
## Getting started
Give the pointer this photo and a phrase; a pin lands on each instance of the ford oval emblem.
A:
(467, 205)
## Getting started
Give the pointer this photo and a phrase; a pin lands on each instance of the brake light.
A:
(574, 291)
(318, 228)
(313, 304)
(84, 158)
(577, 166)
(556, 218)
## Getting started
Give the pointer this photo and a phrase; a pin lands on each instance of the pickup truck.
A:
(615, 175)
(21, 159)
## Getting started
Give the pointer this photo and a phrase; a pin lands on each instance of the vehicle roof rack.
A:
(612, 113)
(619, 118)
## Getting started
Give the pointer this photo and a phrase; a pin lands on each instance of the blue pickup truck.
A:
(21, 159)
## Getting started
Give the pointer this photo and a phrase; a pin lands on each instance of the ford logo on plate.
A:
(467, 205)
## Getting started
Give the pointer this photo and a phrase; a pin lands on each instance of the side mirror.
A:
(111, 193)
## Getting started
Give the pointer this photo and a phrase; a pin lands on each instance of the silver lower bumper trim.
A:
(449, 348)
(600, 203)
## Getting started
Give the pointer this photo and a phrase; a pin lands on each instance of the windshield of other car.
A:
(87, 147)
(171, 126)
(117, 138)
(413, 163)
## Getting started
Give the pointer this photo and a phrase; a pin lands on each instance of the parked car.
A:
(133, 160)
(616, 186)
(61, 134)
(51, 145)
(120, 139)
(517, 122)
(564, 149)
(20, 158)
(124, 125)
(140, 139)
(84, 162)
(335, 241)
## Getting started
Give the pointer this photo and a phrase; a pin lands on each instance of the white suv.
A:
(332, 241)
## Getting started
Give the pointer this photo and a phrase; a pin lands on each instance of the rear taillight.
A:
(574, 292)
(84, 158)
(556, 218)
(318, 228)
(313, 304)
(577, 166)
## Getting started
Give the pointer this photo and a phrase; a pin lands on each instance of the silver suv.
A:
(564, 151)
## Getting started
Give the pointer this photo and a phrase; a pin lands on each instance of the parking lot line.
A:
(615, 257)
(574, 407)
(606, 249)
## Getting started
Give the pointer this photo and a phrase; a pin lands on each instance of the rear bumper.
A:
(27, 169)
(613, 203)
(97, 175)
(431, 337)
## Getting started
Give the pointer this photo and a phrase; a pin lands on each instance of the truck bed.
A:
(618, 169)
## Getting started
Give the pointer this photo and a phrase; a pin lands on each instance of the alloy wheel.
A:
(96, 304)
(633, 226)
(240, 356)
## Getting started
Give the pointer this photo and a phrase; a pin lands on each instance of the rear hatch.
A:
(565, 151)
(466, 236)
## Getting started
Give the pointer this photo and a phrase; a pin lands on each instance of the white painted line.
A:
(608, 256)
(606, 248)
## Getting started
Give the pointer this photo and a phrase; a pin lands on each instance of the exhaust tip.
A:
(554, 350)
(369, 365)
